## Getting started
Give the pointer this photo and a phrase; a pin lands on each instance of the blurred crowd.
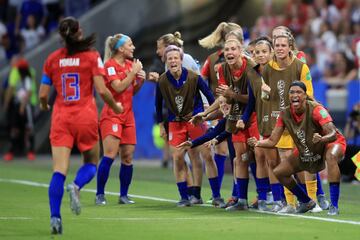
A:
(25, 23)
(328, 31)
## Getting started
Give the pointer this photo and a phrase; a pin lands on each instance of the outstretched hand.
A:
(211, 143)
(252, 142)
(240, 124)
(184, 145)
(197, 119)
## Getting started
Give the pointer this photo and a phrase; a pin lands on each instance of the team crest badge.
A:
(179, 100)
(115, 128)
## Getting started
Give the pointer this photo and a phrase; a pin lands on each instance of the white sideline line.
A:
(15, 218)
(36, 184)
(170, 219)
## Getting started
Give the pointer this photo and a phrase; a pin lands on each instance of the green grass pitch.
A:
(24, 210)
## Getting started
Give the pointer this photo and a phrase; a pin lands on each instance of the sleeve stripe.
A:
(46, 80)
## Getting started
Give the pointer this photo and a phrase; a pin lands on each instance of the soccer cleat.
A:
(100, 199)
(56, 225)
(316, 209)
(323, 202)
(218, 202)
(269, 198)
(261, 206)
(333, 211)
(195, 200)
(288, 209)
(254, 204)
(278, 205)
(231, 202)
(125, 200)
(31, 156)
(240, 205)
(183, 203)
(74, 195)
(9, 156)
(305, 207)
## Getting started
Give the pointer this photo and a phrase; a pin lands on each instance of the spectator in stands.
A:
(29, 7)
(20, 102)
(342, 71)
(352, 127)
(32, 33)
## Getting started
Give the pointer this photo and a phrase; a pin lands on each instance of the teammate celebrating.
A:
(124, 77)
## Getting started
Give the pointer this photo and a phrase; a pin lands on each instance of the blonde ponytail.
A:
(217, 37)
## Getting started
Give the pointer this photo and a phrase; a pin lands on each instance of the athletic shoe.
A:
(9, 156)
(261, 206)
(254, 204)
(56, 225)
(125, 200)
(323, 202)
(269, 198)
(278, 205)
(288, 209)
(74, 195)
(333, 211)
(305, 207)
(195, 200)
(218, 202)
(183, 203)
(316, 209)
(240, 205)
(31, 156)
(209, 201)
(231, 202)
(100, 199)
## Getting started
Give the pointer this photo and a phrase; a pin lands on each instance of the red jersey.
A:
(237, 73)
(72, 77)
(320, 117)
(115, 71)
(205, 71)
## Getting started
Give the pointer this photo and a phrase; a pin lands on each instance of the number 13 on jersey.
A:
(70, 86)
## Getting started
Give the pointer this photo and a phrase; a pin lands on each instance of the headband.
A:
(121, 41)
(299, 84)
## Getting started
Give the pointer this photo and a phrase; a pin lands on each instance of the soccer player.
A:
(278, 75)
(209, 72)
(124, 77)
(74, 71)
(179, 88)
(317, 140)
(285, 148)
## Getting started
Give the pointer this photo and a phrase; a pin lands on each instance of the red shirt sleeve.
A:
(113, 72)
(98, 66)
(321, 116)
(221, 80)
(205, 71)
